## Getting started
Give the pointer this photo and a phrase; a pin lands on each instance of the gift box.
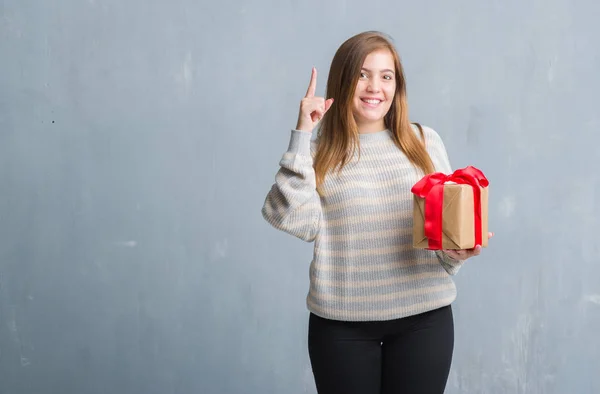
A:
(451, 211)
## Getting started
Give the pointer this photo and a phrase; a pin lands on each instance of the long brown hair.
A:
(338, 132)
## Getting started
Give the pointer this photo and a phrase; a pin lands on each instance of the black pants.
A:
(404, 356)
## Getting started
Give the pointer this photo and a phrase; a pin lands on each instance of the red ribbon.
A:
(431, 188)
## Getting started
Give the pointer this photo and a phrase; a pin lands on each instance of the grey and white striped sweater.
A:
(364, 267)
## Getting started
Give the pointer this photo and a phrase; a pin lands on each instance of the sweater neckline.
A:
(385, 134)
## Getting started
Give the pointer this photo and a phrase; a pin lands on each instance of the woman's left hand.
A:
(464, 254)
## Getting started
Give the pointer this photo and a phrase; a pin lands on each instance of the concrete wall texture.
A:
(138, 140)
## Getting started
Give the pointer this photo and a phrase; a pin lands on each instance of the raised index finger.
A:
(312, 86)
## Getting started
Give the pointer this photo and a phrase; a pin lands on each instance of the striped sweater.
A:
(364, 267)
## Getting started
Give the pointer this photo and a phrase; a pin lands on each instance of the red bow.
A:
(431, 188)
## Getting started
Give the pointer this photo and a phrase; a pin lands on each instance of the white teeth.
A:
(372, 101)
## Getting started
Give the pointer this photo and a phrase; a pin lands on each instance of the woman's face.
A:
(374, 92)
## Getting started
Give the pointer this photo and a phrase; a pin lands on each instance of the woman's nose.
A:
(373, 85)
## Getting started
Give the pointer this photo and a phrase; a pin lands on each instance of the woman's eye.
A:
(363, 75)
(388, 77)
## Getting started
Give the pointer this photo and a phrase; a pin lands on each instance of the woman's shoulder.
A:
(430, 134)
(433, 143)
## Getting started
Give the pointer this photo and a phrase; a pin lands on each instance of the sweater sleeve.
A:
(437, 150)
(293, 204)
(450, 265)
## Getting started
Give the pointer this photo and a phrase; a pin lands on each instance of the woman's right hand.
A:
(312, 109)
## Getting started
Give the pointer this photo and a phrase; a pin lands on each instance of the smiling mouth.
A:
(371, 102)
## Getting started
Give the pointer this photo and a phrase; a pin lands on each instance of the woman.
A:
(380, 310)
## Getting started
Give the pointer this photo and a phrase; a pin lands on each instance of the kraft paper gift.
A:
(451, 211)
